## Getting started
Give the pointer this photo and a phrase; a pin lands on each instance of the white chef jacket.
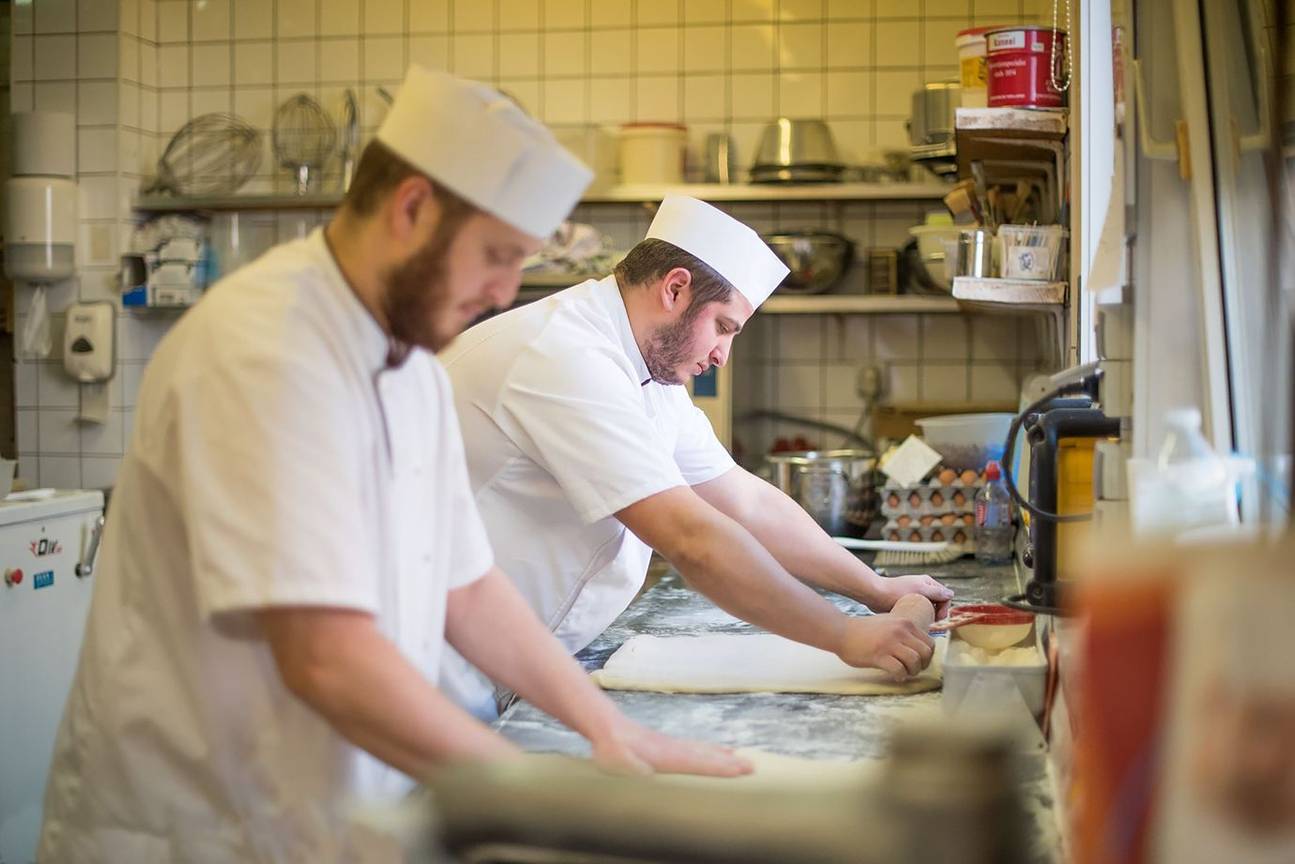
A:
(562, 429)
(273, 462)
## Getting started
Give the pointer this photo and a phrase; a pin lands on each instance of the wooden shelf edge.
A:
(1010, 292)
(1026, 122)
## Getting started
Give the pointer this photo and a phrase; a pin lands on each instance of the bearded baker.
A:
(293, 539)
(585, 453)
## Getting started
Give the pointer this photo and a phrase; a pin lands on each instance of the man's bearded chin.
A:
(667, 350)
(417, 304)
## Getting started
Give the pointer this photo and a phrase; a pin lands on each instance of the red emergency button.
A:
(13, 577)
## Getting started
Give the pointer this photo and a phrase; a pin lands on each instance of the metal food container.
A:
(836, 487)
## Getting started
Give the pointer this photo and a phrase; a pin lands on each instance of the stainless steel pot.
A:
(932, 120)
(836, 487)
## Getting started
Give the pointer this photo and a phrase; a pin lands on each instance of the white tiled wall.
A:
(134, 71)
(713, 64)
(83, 57)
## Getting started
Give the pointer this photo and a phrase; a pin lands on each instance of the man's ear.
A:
(676, 289)
(412, 211)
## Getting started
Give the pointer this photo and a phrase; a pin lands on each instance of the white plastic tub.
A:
(652, 153)
(966, 440)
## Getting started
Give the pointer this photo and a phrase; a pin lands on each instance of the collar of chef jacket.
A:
(608, 293)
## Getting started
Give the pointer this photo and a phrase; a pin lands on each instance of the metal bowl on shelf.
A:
(817, 259)
(797, 151)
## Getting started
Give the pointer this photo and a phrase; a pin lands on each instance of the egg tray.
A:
(932, 534)
(931, 500)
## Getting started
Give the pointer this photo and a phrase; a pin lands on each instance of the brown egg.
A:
(937, 499)
(893, 535)
(904, 521)
(893, 500)
(915, 537)
(959, 499)
(927, 520)
(949, 518)
(937, 535)
(969, 519)
(969, 477)
(960, 537)
(947, 476)
(915, 500)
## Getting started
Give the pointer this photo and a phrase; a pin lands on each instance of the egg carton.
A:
(928, 500)
(959, 537)
(948, 519)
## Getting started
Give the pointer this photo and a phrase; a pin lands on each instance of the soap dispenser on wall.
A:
(90, 354)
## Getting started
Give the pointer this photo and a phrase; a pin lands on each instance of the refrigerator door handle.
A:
(85, 566)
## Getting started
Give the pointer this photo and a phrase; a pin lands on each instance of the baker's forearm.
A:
(791, 535)
(722, 560)
(339, 664)
(491, 625)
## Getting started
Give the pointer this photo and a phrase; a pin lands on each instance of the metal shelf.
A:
(715, 192)
(792, 304)
(183, 204)
(722, 192)
(859, 304)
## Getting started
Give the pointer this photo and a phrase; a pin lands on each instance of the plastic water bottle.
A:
(993, 519)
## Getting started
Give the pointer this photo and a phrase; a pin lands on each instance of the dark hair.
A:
(378, 173)
(652, 258)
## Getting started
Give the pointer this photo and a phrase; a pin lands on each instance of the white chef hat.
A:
(730, 248)
(484, 148)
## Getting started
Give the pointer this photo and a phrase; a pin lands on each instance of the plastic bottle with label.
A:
(993, 519)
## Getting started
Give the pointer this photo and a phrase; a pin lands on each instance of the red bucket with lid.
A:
(1019, 61)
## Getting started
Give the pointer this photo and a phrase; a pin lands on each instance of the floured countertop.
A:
(805, 725)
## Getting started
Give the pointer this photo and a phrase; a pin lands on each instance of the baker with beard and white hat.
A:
(292, 537)
(585, 453)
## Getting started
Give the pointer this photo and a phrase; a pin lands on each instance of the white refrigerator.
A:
(48, 540)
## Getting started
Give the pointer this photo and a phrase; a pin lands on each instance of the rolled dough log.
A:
(760, 663)
(772, 771)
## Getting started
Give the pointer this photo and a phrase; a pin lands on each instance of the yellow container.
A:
(973, 74)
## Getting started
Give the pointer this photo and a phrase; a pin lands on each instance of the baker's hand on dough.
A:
(892, 588)
(631, 748)
(890, 642)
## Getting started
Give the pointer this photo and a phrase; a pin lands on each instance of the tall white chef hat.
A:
(731, 249)
(484, 148)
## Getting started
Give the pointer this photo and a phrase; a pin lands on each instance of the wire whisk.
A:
(304, 137)
(212, 154)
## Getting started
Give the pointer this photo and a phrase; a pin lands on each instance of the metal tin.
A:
(1019, 61)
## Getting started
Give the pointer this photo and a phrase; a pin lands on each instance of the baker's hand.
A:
(631, 748)
(891, 588)
(889, 642)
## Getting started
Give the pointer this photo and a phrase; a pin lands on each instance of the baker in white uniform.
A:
(585, 453)
(292, 537)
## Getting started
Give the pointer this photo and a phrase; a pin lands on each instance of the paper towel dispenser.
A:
(89, 343)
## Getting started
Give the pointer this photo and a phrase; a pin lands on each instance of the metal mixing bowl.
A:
(817, 259)
(796, 151)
